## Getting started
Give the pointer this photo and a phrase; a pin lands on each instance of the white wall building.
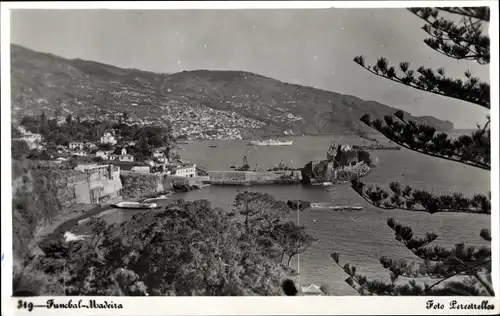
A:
(34, 141)
(108, 138)
(76, 145)
(126, 157)
(185, 171)
(102, 154)
(79, 152)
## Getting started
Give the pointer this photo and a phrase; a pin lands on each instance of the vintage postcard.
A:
(250, 158)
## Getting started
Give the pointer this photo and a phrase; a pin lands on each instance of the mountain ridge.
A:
(256, 104)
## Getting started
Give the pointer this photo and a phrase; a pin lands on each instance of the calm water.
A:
(360, 237)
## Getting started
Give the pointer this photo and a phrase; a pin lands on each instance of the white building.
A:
(126, 157)
(141, 169)
(33, 141)
(76, 145)
(312, 289)
(79, 152)
(84, 166)
(185, 171)
(102, 154)
(108, 138)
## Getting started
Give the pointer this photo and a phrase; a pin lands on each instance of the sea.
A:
(361, 237)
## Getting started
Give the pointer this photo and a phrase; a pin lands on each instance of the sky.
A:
(312, 47)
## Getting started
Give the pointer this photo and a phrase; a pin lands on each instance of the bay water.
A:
(361, 237)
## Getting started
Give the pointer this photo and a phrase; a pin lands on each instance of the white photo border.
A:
(320, 305)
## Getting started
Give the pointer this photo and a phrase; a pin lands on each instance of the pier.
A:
(254, 177)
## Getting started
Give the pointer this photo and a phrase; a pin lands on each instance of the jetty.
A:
(254, 177)
(376, 147)
(329, 206)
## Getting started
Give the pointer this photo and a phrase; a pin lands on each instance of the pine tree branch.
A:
(351, 272)
(430, 203)
(412, 270)
(472, 164)
(466, 11)
(488, 287)
(474, 273)
(435, 25)
(458, 40)
(460, 272)
(481, 103)
(438, 24)
(473, 56)
(481, 149)
(450, 258)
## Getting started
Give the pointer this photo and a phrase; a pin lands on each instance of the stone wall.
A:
(44, 192)
(194, 181)
(136, 184)
(228, 177)
(252, 177)
(102, 183)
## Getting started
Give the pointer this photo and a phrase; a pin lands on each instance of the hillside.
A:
(227, 99)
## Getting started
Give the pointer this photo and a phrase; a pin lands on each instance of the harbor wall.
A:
(183, 181)
(139, 184)
(103, 185)
(253, 177)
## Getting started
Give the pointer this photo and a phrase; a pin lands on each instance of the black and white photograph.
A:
(252, 152)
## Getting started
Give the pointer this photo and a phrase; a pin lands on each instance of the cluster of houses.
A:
(158, 162)
(33, 140)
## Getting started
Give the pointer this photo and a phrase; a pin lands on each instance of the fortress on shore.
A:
(342, 164)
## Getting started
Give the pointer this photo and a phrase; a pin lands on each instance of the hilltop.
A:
(252, 103)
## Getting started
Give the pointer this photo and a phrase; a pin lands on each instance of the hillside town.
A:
(191, 121)
(107, 150)
(202, 122)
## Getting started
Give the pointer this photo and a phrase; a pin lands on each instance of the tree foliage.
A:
(261, 211)
(292, 240)
(189, 248)
(462, 269)
(20, 149)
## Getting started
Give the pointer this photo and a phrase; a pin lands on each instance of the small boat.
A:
(336, 208)
(136, 205)
(160, 197)
(201, 186)
(356, 208)
(213, 146)
(326, 184)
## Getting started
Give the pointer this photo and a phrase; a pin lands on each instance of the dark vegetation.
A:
(460, 270)
(189, 248)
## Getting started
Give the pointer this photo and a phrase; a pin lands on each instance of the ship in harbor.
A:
(270, 142)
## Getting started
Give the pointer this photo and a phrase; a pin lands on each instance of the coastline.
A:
(61, 223)
(65, 222)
